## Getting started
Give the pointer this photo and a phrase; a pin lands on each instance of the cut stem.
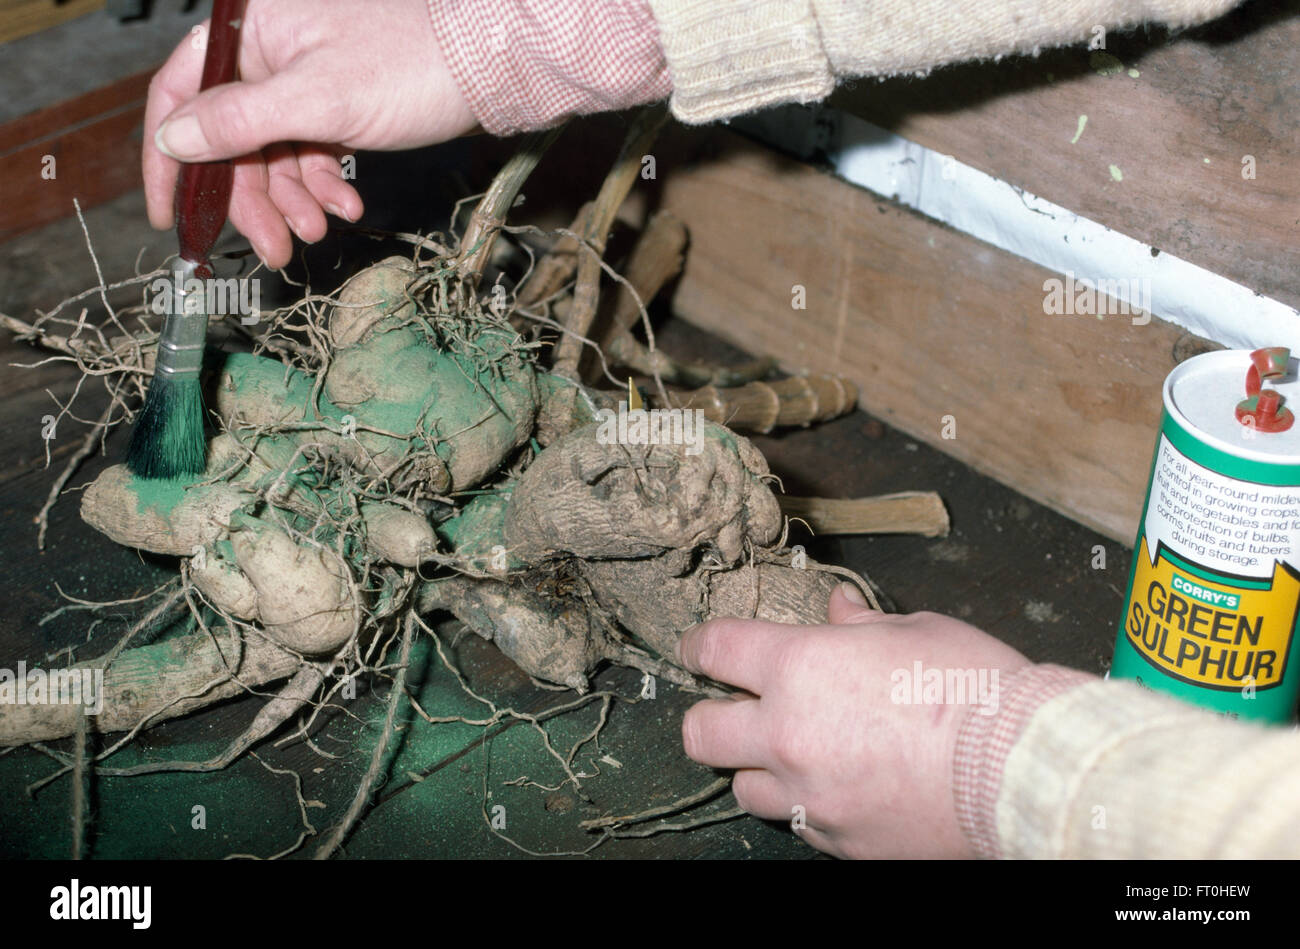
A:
(907, 512)
(490, 213)
(586, 293)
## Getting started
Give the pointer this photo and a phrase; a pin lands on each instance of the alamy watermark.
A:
(1079, 296)
(84, 687)
(78, 901)
(948, 686)
(652, 427)
(214, 296)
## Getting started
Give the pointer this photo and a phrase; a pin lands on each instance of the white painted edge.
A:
(1034, 228)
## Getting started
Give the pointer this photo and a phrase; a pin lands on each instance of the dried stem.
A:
(488, 216)
(586, 293)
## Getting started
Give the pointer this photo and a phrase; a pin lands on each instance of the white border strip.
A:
(1024, 224)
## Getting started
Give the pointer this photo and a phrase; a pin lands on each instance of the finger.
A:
(723, 733)
(242, 117)
(176, 82)
(758, 792)
(323, 177)
(255, 215)
(819, 840)
(849, 606)
(738, 651)
(300, 210)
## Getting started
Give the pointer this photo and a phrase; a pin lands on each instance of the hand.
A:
(821, 727)
(318, 77)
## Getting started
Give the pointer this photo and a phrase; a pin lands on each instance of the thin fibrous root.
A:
(371, 776)
(713, 789)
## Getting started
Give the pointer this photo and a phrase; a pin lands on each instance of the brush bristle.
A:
(168, 437)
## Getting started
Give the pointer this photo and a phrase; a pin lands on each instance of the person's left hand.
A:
(821, 728)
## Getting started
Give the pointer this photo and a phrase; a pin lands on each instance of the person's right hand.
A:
(317, 78)
(821, 725)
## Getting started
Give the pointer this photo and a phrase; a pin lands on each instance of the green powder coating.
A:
(476, 394)
(158, 494)
(255, 379)
(258, 379)
(482, 395)
(724, 436)
(478, 528)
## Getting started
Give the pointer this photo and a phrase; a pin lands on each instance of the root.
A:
(730, 813)
(627, 655)
(699, 797)
(287, 467)
(308, 830)
(79, 789)
(293, 696)
(81, 454)
(371, 776)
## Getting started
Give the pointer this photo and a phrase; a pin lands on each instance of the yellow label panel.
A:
(1211, 633)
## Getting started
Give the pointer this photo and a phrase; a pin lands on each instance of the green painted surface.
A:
(431, 800)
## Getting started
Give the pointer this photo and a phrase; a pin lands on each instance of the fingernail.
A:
(338, 212)
(851, 593)
(677, 647)
(181, 138)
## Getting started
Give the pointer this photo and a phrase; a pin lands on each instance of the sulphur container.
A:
(1214, 590)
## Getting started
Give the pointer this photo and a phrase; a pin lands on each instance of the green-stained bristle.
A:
(168, 437)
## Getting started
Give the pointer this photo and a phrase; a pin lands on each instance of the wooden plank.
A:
(1218, 93)
(929, 323)
(94, 141)
(23, 17)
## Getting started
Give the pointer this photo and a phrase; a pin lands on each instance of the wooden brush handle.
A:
(203, 188)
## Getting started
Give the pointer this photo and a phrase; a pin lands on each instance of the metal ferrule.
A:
(180, 347)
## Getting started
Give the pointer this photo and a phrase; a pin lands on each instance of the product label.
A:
(1212, 633)
(1214, 597)
(1225, 524)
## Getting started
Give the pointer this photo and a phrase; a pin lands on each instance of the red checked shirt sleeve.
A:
(525, 65)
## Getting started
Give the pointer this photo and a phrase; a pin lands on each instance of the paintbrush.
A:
(168, 439)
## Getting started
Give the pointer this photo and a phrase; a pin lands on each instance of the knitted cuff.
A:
(726, 59)
(985, 741)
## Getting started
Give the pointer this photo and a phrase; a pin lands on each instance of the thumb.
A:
(242, 117)
(848, 606)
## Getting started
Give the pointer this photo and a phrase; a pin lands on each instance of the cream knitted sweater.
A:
(1072, 766)
(732, 56)
(528, 64)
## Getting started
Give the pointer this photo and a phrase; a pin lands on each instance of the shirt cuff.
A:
(525, 65)
(985, 741)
